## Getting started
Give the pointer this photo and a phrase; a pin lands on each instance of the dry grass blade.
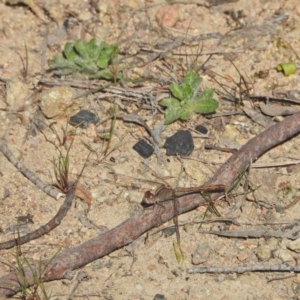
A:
(61, 172)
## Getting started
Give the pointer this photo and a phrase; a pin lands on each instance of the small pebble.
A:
(284, 255)
(169, 231)
(59, 101)
(294, 245)
(202, 129)
(265, 251)
(201, 254)
(242, 256)
(167, 16)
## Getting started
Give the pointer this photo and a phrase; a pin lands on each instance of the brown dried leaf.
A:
(84, 194)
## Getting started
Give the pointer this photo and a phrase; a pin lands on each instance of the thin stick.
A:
(53, 223)
(254, 268)
(49, 190)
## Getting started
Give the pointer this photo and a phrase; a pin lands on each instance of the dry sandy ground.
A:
(244, 32)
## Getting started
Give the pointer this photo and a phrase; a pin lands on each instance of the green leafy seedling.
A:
(87, 59)
(186, 99)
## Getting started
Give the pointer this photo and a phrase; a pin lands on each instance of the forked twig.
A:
(99, 246)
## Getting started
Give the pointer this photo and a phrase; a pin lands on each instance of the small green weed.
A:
(37, 290)
(87, 59)
(29, 284)
(186, 100)
(61, 171)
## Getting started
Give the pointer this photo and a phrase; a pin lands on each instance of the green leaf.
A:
(186, 111)
(102, 61)
(69, 51)
(171, 116)
(173, 112)
(177, 91)
(93, 50)
(287, 68)
(169, 102)
(188, 89)
(104, 74)
(178, 253)
(196, 84)
(206, 104)
(61, 63)
(188, 93)
(88, 67)
(81, 48)
(190, 77)
(109, 50)
(207, 94)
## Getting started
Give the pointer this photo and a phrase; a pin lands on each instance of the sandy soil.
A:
(244, 39)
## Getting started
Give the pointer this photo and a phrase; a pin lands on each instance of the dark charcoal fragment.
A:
(143, 149)
(180, 143)
(168, 231)
(83, 119)
(159, 297)
(202, 129)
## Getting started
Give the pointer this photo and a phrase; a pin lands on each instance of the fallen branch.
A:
(53, 223)
(69, 260)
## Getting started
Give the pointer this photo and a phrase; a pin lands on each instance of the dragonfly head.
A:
(148, 199)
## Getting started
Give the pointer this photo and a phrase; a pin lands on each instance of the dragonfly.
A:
(165, 193)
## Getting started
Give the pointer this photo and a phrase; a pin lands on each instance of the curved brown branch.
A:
(131, 229)
(53, 223)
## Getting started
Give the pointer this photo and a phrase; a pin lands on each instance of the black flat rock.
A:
(143, 148)
(181, 143)
(83, 119)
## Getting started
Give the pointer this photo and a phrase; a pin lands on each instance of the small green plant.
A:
(87, 59)
(37, 290)
(186, 99)
(61, 171)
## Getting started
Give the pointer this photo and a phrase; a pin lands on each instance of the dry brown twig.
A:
(53, 223)
(71, 259)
